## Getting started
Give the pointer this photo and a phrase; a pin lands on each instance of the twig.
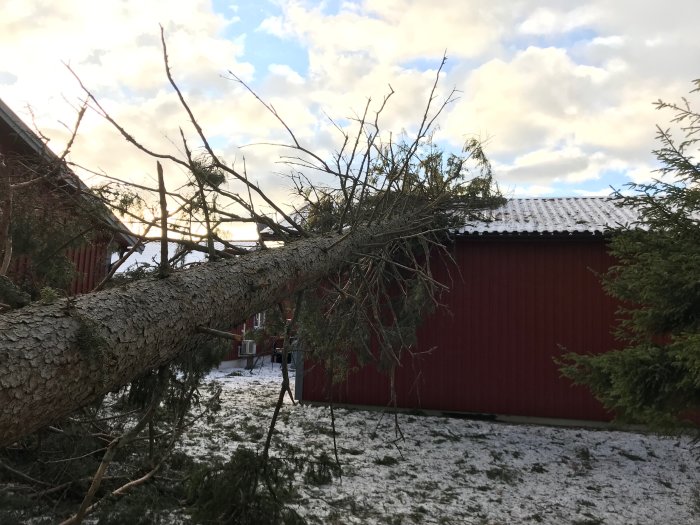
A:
(109, 455)
(113, 269)
(335, 433)
(23, 476)
(284, 387)
(219, 333)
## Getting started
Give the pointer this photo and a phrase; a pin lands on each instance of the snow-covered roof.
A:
(566, 215)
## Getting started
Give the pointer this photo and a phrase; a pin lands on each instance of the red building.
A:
(25, 157)
(529, 289)
(244, 348)
(256, 342)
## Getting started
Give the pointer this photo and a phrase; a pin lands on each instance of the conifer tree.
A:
(655, 378)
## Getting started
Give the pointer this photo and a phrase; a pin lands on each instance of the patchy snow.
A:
(594, 215)
(447, 470)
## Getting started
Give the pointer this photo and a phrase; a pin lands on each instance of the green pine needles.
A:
(655, 378)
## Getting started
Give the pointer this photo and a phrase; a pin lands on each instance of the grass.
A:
(631, 456)
(503, 474)
(386, 461)
(445, 436)
(444, 471)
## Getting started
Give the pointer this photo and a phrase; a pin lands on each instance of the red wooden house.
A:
(529, 287)
(250, 349)
(25, 156)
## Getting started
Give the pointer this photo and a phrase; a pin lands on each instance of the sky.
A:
(561, 92)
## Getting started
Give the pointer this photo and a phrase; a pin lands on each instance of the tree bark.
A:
(5, 217)
(56, 358)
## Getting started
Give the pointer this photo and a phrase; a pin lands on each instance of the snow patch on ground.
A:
(446, 470)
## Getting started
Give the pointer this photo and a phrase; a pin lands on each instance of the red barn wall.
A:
(91, 262)
(239, 330)
(517, 302)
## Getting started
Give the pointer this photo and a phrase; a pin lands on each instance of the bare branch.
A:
(164, 269)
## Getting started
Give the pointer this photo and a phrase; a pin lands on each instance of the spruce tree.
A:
(655, 377)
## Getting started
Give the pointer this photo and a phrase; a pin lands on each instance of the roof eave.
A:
(535, 234)
(28, 137)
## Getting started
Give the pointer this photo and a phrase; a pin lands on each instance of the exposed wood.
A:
(5, 216)
(164, 268)
(111, 451)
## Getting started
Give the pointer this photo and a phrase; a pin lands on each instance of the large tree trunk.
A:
(56, 358)
(5, 217)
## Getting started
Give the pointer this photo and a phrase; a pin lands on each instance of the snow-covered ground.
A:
(451, 471)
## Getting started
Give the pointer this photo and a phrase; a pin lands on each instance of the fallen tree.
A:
(368, 238)
(56, 358)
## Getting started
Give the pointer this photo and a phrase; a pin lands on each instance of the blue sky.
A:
(560, 91)
(262, 48)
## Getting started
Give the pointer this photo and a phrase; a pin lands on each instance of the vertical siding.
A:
(91, 262)
(517, 302)
(91, 266)
(240, 329)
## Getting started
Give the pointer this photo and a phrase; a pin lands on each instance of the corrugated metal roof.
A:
(567, 215)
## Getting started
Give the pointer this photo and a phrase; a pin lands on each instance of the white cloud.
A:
(555, 114)
(392, 30)
(603, 192)
(545, 21)
(608, 41)
(286, 74)
(533, 190)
